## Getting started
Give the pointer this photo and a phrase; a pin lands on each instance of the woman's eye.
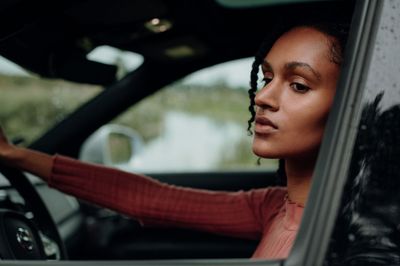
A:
(266, 80)
(298, 87)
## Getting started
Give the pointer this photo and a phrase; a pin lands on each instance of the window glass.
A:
(30, 105)
(196, 124)
(368, 225)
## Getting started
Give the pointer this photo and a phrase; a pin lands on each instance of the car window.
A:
(30, 105)
(367, 229)
(196, 124)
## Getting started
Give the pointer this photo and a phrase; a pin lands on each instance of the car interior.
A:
(175, 38)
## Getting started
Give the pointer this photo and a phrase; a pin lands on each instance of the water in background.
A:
(190, 143)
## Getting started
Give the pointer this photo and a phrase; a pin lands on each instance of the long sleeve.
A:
(241, 214)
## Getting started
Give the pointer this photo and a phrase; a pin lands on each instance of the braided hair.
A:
(338, 34)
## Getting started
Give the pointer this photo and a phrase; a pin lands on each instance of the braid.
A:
(252, 92)
(258, 59)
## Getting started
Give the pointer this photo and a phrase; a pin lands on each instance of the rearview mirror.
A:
(111, 145)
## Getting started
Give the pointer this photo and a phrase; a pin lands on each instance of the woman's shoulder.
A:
(277, 191)
(273, 196)
(267, 202)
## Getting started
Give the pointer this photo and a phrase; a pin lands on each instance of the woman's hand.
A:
(37, 163)
(6, 148)
(2, 136)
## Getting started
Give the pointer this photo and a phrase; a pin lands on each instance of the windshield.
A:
(30, 105)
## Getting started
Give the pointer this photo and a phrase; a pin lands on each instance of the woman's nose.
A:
(268, 97)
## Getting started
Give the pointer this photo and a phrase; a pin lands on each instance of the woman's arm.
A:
(239, 214)
(242, 214)
(37, 163)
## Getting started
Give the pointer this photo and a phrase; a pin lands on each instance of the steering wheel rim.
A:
(42, 218)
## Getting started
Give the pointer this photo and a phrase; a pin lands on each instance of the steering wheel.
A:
(28, 239)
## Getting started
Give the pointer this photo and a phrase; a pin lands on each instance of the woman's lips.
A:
(264, 126)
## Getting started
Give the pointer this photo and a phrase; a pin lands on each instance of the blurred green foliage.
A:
(29, 105)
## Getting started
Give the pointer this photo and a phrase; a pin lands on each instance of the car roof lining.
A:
(53, 40)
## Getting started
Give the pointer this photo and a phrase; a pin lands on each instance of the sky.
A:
(235, 73)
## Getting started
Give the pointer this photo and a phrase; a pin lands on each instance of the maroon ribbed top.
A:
(263, 214)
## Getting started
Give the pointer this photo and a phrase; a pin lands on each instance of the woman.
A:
(300, 71)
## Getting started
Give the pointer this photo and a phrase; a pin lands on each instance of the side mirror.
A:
(111, 145)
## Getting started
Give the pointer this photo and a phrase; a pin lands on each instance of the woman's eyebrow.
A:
(294, 65)
(266, 67)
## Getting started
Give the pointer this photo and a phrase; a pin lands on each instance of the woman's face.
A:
(293, 106)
